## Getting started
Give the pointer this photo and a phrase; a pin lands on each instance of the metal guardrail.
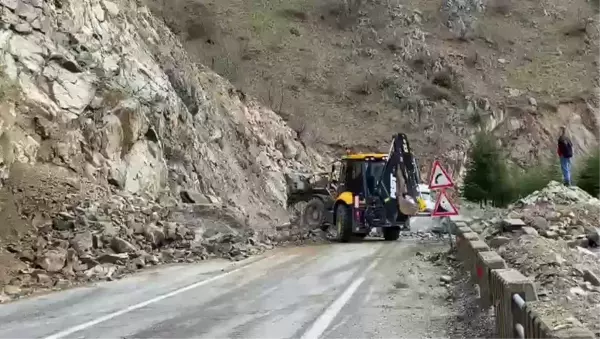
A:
(518, 305)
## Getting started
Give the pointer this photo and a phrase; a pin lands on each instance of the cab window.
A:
(354, 176)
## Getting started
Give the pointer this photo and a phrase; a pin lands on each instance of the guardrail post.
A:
(486, 262)
(459, 224)
(562, 324)
(505, 283)
(462, 244)
(474, 247)
(464, 229)
(458, 218)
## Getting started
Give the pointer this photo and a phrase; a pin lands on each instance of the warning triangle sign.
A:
(443, 206)
(439, 177)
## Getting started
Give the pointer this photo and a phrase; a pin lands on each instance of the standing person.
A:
(565, 153)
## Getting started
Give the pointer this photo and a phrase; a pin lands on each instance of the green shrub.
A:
(487, 178)
(490, 180)
(588, 177)
(534, 178)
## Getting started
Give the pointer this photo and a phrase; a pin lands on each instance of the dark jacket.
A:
(565, 147)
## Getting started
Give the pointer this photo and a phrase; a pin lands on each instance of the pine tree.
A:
(476, 186)
(588, 177)
(488, 178)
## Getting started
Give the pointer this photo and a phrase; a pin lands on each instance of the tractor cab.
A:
(357, 174)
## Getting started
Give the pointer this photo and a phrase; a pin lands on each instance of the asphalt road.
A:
(371, 289)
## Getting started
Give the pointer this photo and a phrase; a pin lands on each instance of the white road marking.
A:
(325, 319)
(107, 317)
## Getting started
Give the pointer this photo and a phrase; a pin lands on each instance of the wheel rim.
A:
(312, 216)
(336, 231)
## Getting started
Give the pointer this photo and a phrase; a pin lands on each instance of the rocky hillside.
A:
(352, 72)
(114, 144)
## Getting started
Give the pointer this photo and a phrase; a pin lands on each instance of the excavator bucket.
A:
(399, 180)
(408, 206)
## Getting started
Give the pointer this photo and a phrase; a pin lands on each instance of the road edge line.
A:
(156, 299)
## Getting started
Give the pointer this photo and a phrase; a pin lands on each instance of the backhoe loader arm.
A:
(401, 165)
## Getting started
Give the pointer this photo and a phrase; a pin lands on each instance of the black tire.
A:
(391, 233)
(343, 222)
(313, 213)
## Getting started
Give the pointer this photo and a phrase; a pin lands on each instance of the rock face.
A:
(139, 155)
(108, 92)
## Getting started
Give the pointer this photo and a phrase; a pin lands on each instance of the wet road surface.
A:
(370, 289)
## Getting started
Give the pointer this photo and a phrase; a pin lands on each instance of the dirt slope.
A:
(351, 73)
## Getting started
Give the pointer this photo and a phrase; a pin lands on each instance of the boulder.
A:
(52, 260)
(154, 234)
(82, 242)
(498, 241)
(120, 245)
(509, 225)
(110, 258)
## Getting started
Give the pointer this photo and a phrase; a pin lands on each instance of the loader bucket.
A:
(407, 205)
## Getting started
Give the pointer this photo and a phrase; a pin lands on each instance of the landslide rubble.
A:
(118, 152)
(555, 212)
(552, 236)
(103, 240)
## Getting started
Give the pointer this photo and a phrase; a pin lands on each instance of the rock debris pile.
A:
(551, 236)
(93, 240)
(556, 212)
